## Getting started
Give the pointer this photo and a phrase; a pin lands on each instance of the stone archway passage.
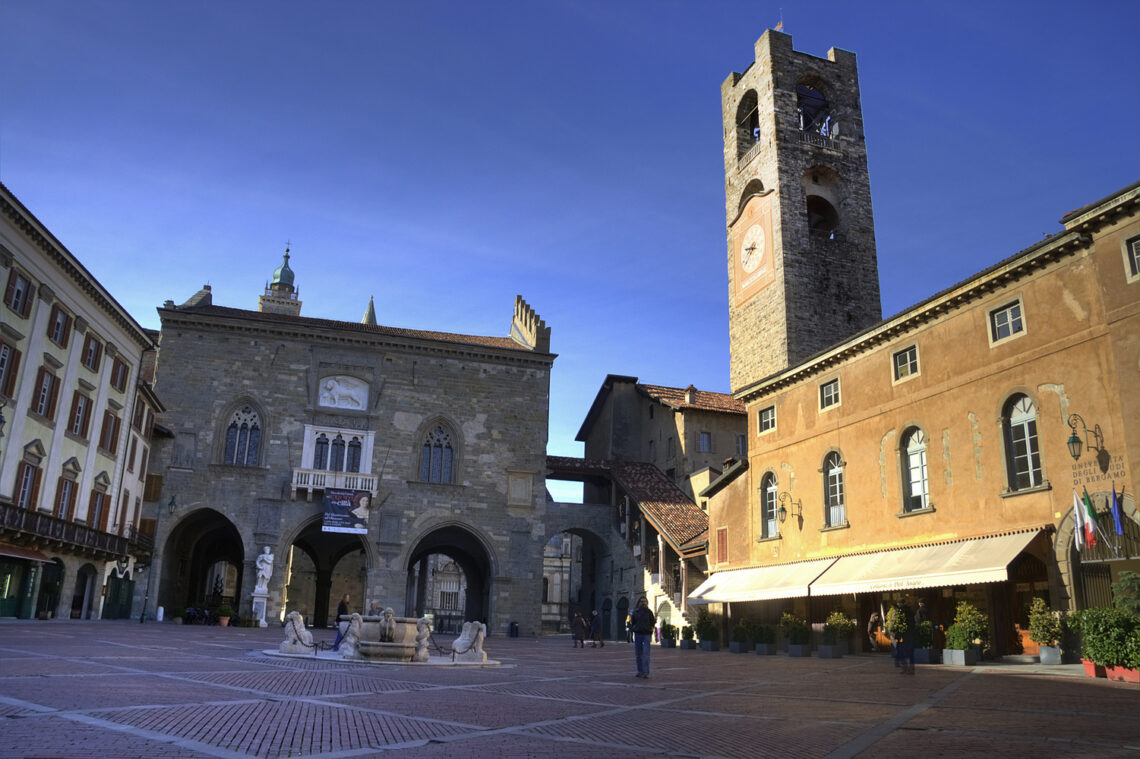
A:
(466, 550)
(325, 566)
(197, 546)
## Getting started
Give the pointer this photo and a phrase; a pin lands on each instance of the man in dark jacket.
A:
(643, 621)
(341, 627)
(596, 631)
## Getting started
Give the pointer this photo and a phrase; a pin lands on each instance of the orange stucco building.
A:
(929, 455)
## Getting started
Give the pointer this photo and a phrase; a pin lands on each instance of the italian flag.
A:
(1089, 520)
(1078, 523)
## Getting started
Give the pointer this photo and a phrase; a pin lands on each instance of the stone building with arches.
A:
(934, 454)
(446, 433)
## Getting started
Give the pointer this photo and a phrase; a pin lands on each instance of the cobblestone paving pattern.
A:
(71, 689)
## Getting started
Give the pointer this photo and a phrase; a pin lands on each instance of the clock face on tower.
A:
(752, 248)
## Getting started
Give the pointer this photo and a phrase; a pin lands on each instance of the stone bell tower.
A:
(802, 270)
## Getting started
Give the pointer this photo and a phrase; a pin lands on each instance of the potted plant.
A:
(765, 640)
(924, 652)
(668, 635)
(1110, 643)
(798, 633)
(742, 637)
(708, 631)
(687, 638)
(836, 631)
(965, 637)
(1045, 630)
(225, 611)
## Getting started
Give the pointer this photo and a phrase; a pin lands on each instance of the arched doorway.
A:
(322, 568)
(83, 599)
(203, 563)
(470, 558)
(120, 593)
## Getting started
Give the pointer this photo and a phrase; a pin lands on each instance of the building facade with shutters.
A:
(76, 436)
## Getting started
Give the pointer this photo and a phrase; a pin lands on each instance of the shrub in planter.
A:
(741, 641)
(765, 644)
(798, 633)
(896, 623)
(668, 635)
(924, 644)
(965, 637)
(1110, 637)
(1045, 630)
(225, 612)
(836, 630)
(687, 638)
(708, 631)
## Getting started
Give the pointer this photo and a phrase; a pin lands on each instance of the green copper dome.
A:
(283, 275)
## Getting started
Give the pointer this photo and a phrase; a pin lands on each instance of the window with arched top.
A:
(336, 454)
(1022, 453)
(835, 490)
(916, 485)
(352, 463)
(321, 452)
(243, 438)
(437, 456)
(747, 123)
(769, 504)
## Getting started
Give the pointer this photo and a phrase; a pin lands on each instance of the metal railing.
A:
(818, 139)
(42, 526)
(744, 159)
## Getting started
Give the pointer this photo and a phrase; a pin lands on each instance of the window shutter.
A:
(10, 290)
(34, 499)
(54, 396)
(9, 388)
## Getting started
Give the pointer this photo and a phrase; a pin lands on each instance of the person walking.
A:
(341, 627)
(642, 622)
(578, 628)
(904, 648)
(596, 631)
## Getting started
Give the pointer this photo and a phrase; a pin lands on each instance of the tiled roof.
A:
(676, 517)
(703, 400)
(504, 343)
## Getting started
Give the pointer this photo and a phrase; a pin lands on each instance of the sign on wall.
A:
(347, 511)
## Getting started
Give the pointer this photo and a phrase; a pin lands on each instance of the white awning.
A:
(962, 563)
(760, 583)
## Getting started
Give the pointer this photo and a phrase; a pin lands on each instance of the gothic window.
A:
(336, 461)
(1023, 455)
(769, 503)
(243, 438)
(835, 490)
(321, 452)
(916, 487)
(436, 456)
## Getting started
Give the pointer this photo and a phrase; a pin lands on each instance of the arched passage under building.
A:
(471, 557)
(579, 571)
(323, 567)
(203, 563)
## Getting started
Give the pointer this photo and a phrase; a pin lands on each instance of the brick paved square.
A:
(71, 689)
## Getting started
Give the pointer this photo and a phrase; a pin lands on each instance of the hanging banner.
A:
(347, 511)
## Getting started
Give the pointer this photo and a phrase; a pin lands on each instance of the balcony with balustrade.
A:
(41, 530)
(312, 481)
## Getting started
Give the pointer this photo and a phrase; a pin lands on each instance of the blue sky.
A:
(446, 156)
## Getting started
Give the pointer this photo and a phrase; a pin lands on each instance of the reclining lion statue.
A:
(298, 640)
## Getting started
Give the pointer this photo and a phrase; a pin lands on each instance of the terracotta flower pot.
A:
(1124, 674)
(1093, 670)
(223, 621)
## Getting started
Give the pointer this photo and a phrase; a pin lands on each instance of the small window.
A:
(669, 452)
(18, 295)
(1005, 322)
(741, 446)
(92, 353)
(766, 419)
(704, 442)
(109, 433)
(829, 394)
(9, 369)
(65, 493)
(1132, 259)
(906, 363)
(80, 418)
(769, 505)
(59, 326)
(835, 491)
(916, 485)
(1023, 455)
(47, 392)
(722, 545)
(27, 486)
(119, 373)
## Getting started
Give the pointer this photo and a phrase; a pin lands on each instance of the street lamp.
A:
(170, 507)
(1074, 442)
(786, 498)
